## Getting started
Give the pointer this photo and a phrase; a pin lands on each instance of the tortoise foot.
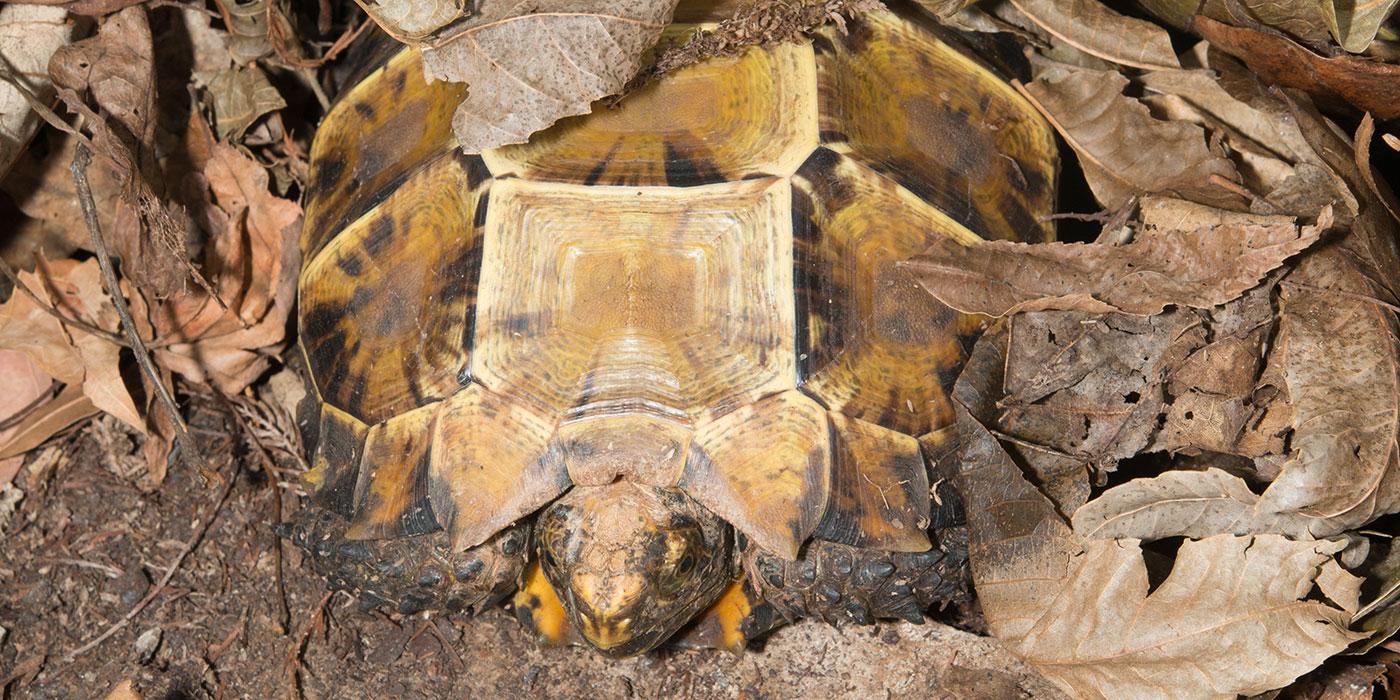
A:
(410, 574)
(841, 584)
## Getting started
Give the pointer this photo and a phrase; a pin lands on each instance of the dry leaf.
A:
(530, 65)
(1200, 269)
(1381, 614)
(124, 690)
(241, 97)
(254, 263)
(69, 407)
(410, 20)
(117, 68)
(88, 7)
(78, 290)
(1265, 142)
(28, 37)
(1124, 151)
(1234, 616)
(1355, 24)
(1098, 31)
(23, 386)
(944, 9)
(1340, 355)
(1370, 86)
(1182, 504)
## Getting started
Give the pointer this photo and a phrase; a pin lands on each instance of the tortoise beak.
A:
(606, 611)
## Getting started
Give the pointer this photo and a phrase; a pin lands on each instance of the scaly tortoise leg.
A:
(410, 574)
(838, 583)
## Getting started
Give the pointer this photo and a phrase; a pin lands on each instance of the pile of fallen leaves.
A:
(1179, 444)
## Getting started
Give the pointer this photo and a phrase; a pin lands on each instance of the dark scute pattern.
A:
(339, 446)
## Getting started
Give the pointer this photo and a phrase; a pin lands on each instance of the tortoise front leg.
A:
(411, 574)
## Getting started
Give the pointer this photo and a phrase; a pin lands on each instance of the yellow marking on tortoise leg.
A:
(721, 626)
(732, 608)
(538, 607)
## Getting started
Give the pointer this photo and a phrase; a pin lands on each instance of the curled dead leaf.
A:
(531, 65)
(28, 37)
(1124, 150)
(1370, 86)
(1199, 269)
(253, 263)
(1098, 31)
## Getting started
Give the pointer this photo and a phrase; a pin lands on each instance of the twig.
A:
(291, 663)
(210, 516)
(189, 453)
(270, 467)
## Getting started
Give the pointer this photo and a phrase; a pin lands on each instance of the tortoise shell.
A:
(696, 289)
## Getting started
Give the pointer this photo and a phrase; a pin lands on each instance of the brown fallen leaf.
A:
(1183, 503)
(1355, 24)
(1091, 27)
(28, 37)
(531, 65)
(1124, 150)
(69, 407)
(241, 96)
(1370, 86)
(1198, 269)
(1233, 617)
(413, 20)
(117, 69)
(125, 690)
(1339, 352)
(88, 7)
(1263, 141)
(23, 389)
(253, 263)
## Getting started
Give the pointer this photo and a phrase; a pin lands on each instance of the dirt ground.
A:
(90, 538)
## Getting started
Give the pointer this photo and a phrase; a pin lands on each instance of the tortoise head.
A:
(633, 563)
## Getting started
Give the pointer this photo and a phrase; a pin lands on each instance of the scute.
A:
(872, 343)
(722, 119)
(608, 299)
(391, 490)
(379, 133)
(385, 307)
(901, 101)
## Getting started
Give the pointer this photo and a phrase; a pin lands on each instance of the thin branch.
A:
(189, 452)
(199, 532)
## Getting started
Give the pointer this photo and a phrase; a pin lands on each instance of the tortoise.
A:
(656, 371)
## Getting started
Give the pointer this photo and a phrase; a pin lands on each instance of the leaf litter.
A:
(1178, 448)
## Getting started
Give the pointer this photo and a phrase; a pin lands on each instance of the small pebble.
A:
(146, 645)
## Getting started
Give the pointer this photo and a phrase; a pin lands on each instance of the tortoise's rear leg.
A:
(411, 574)
(838, 583)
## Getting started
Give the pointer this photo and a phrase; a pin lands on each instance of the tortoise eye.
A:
(686, 564)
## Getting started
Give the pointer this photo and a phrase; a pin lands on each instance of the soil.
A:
(91, 537)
